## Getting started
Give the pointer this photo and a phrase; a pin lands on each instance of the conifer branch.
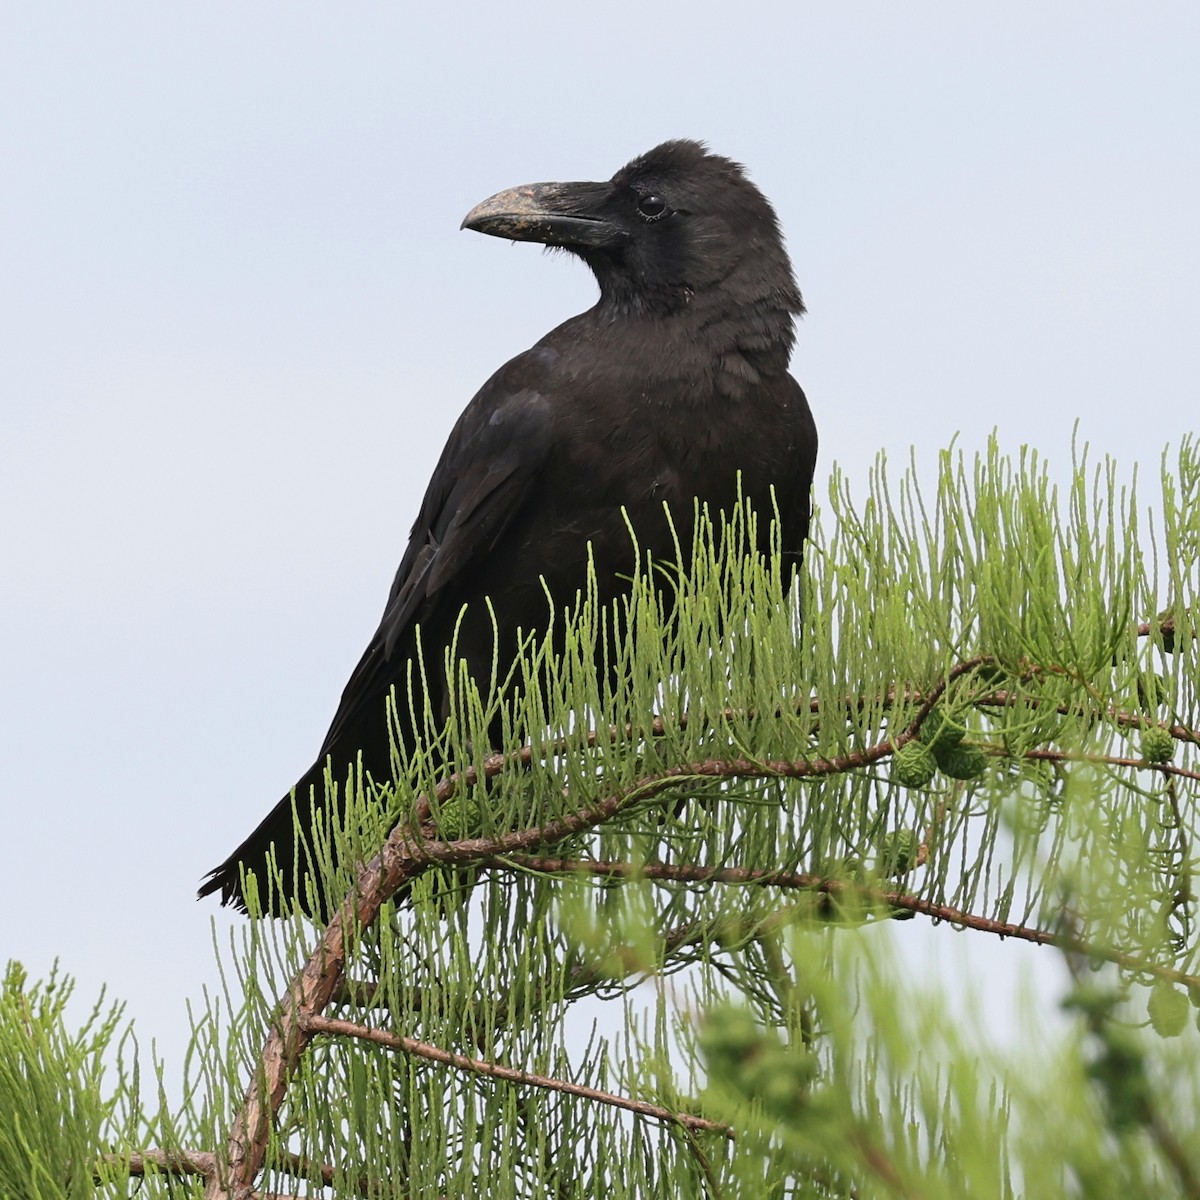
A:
(171, 1162)
(204, 1162)
(1105, 760)
(315, 1024)
(409, 851)
(869, 897)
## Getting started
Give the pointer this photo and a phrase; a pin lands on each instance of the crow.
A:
(659, 395)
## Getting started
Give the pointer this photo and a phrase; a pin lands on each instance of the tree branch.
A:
(336, 1028)
(171, 1162)
(204, 1162)
(795, 881)
(1107, 760)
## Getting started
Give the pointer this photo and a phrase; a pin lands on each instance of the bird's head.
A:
(676, 225)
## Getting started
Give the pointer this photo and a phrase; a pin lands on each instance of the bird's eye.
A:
(653, 208)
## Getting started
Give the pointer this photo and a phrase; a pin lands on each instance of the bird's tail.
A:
(282, 852)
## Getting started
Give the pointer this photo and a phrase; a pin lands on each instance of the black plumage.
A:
(676, 380)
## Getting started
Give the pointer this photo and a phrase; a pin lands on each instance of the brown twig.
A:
(204, 1162)
(1002, 697)
(1104, 760)
(1165, 625)
(309, 992)
(314, 1024)
(796, 881)
(171, 1162)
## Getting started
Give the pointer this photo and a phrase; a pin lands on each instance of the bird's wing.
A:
(490, 463)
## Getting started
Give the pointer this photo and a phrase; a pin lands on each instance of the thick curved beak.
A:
(556, 214)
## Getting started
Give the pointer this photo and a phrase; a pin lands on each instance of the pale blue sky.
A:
(237, 319)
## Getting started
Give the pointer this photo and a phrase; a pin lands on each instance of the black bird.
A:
(676, 380)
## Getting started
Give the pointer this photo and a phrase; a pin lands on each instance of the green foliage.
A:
(705, 845)
(52, 1114)
(891, 1098)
